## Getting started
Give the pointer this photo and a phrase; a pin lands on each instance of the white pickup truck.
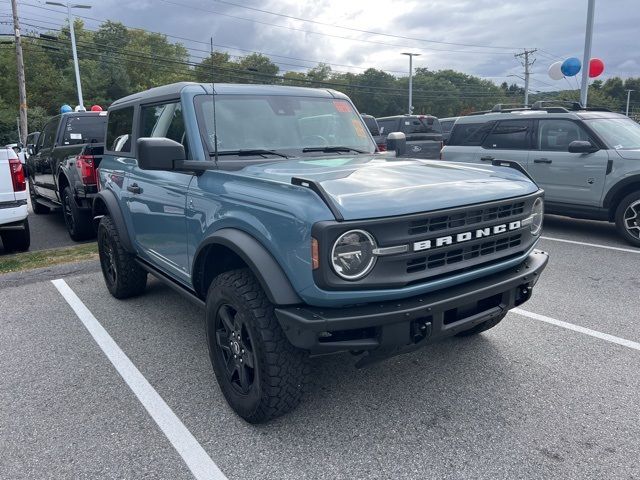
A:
(14, 224)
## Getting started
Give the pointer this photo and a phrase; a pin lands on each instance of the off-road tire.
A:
(626, 203)
(79, 222)
(17, 240)
(37, 208)
(482, 327)
(127, 279)
(280, 370)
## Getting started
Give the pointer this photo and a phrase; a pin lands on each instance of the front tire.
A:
(261, 375)
(123, 276)
(79, 222)
(482, 327)
(17, 240)
(628, 218)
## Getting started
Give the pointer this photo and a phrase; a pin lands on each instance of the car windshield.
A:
(618, 133)
(284, 124)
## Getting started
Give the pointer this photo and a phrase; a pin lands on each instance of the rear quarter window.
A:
(119, 130)
(510, 135)
(470, 134)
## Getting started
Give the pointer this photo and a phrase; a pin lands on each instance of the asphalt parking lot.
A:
(532, 398)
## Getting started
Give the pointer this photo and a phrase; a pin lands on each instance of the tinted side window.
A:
(164, 120)
(470, 134)
(81, 129)
(447, 125)
(371, 124)
(388, 126)
(556, 135)
(119, 130)
(510, 134)
(49, 133)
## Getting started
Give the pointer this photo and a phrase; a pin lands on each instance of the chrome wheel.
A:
(631, 219)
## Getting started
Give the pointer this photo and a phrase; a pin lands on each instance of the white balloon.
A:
(555, 71)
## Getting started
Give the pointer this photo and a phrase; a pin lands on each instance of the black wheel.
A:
(628, 218)
(261, 375)
(79, 222)
(17, 240)
(482, 327)
(123, 276)
(37, 208)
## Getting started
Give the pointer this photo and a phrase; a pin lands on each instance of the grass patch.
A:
(46, 258)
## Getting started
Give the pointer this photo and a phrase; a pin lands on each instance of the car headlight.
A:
(537, 214)
(352, 255)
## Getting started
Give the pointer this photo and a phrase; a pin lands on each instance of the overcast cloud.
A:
(556, 27)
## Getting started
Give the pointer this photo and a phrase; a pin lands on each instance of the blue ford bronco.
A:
(297, 239)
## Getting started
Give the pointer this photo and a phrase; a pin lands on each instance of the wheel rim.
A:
(234, 348)
(68, 213)
(631, 219)
(107, 260)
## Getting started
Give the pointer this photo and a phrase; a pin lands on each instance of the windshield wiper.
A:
(332, 149)
(255, 151)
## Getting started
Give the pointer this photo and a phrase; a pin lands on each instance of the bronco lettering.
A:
(466, 236)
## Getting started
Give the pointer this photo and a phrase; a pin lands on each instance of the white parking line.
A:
(198, 461)
(576, 328)
(620, 249)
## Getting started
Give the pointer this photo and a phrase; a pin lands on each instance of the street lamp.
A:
(411, 55)
(69, 6)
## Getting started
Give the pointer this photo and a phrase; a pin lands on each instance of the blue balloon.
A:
(570, 67)
(65, 108)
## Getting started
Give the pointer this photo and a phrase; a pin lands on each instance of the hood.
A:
(370, 186)
(629, 154)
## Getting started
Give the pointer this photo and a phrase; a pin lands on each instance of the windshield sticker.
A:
(75, 136)
(617, 147)
(359, 128)
(407, 123)
(342, 106)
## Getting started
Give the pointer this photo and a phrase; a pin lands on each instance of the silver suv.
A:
(586, 160)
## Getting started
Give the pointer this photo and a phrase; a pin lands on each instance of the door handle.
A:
(134, 188)
(541, 160)
(487, 159)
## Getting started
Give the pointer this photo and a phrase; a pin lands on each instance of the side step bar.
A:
(184, 291)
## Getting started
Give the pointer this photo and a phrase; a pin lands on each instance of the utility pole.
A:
(527, 64)
(628, 100)
(584, 89)
(411, 55)
(22, 89)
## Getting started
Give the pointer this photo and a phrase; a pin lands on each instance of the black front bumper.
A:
(401, 325)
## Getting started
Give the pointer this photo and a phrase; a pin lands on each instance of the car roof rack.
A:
(503, 108)
(549, 106)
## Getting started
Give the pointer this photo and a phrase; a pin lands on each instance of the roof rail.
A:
(553, 106)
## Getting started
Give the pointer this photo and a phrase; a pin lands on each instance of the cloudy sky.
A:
(473, 36)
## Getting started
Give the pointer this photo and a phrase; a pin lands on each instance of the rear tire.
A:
(628, 218)
(79, 222)
(482, 327)
(37, 208)
(123, 276)
(261, 375)
(17, 240)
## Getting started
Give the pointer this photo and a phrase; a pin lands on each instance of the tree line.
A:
(116, 61)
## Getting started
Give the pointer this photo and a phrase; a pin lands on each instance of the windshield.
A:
(282, 124)
(618, 133)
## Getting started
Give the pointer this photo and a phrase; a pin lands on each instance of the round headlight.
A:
(352, 255)
(537, 214)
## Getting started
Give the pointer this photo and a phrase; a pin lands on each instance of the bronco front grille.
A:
(462, 219)
(468, 252)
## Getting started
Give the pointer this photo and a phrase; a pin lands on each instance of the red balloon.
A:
(596, 67)
(96, 108)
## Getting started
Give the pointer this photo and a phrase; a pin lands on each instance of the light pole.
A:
(411, 55)
(584, 89)
(628, 100)
(73, 44)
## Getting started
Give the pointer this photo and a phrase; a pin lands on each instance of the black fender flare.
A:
(266, 269)
(108, 198)
(618, 187)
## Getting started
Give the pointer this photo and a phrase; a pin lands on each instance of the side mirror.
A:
(159, 153)
(582, 146)
(31, 149)
(397, 141)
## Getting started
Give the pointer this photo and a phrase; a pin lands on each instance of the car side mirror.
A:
(582, 146)
(397, 141)
(159, 153)
(31, 149)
